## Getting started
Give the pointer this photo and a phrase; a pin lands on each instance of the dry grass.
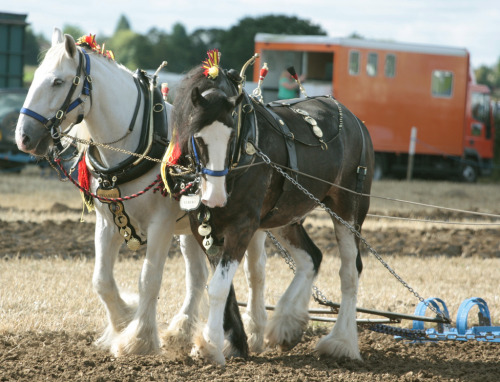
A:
(52, 294)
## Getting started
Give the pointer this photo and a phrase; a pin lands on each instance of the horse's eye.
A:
(57, 82)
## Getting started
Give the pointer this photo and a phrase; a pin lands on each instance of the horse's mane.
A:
(184, 110)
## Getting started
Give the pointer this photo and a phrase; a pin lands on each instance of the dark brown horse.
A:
(320, 144)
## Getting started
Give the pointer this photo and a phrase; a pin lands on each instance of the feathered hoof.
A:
(255, 334)
(178, 337)
(285, 332)
(135, 341)
(134, 346)
(207, 350)
(105, 341)
(338, 348)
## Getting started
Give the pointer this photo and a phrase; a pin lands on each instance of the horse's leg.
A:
(119, 311)
(342, 341)
(235, 339)
(235, 344)
(141, 335)
(291, 315)
(209, 344)
(180, 330)
(255, 315)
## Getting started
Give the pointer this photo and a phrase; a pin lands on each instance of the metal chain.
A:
(317, 294)
(123, 151)
(266, 159)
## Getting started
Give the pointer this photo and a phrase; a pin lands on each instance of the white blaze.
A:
(216, 137)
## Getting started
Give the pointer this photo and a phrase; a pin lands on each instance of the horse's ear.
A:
(70, 45)
(57, 36)
(235, 101)
(197, 98)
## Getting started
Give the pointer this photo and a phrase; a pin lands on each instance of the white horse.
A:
(107, 113)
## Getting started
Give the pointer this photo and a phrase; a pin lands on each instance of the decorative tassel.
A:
(171, 157)
(84, 179)
(293, 73)
(211, 64)
(164, 90)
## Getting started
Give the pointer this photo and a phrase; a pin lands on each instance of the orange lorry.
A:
(394, 87)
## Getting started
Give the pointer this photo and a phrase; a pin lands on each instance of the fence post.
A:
(411, 153)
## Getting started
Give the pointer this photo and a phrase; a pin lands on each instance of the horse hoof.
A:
(208, 351)
(285, 332)
(178, 336)
(338, 348)
(289, 345)
(255, 334)
(231, 351)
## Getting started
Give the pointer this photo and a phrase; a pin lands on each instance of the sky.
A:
(470, 24)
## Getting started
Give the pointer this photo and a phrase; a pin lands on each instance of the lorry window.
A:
(371, 65)
(442, 83)
(480, 103)
(390, 65)
(353, 62)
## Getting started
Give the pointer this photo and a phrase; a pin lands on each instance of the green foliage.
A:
(237, 44)
(123, 24)
(130, 49)
(73, 31)
(490, 76)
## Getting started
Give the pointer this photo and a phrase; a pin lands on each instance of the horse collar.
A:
(153, 141)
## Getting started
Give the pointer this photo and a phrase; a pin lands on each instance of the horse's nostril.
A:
(25, 139)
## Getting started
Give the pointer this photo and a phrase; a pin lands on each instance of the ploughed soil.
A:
(71, 356)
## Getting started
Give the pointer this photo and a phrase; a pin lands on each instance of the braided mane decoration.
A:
(211, 64)
(90, 42)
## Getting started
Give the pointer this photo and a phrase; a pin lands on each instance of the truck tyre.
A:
(469, 173)
(379, 167)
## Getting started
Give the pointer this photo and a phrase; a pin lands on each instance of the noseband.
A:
(54, 122)
(204, 170)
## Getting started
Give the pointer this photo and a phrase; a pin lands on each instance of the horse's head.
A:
(206, 117)
(57, 82)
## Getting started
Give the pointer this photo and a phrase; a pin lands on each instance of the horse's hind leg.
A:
(120, 309)
(291, 315)
(342, 341)
(255, 316)
(178, 336)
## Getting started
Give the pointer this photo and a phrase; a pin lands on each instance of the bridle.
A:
(199, 167)
(203, 170)
(52, 124)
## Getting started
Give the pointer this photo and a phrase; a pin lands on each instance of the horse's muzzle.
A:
(213, 191)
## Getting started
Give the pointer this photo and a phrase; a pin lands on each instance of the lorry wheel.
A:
(469, 173)
(379, 167)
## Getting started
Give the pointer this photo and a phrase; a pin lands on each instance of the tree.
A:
(179, 50)
(237, 44)
(33, 45)
(130, 49)
(73, 31)
(123, 24)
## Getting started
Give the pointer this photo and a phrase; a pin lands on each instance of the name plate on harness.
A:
(190, 202)
(112, 193)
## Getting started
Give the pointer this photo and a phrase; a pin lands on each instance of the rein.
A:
(52, 124)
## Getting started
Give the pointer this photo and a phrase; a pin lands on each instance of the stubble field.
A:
(50, 316)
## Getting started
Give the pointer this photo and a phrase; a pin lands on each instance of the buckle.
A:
(362, 170)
